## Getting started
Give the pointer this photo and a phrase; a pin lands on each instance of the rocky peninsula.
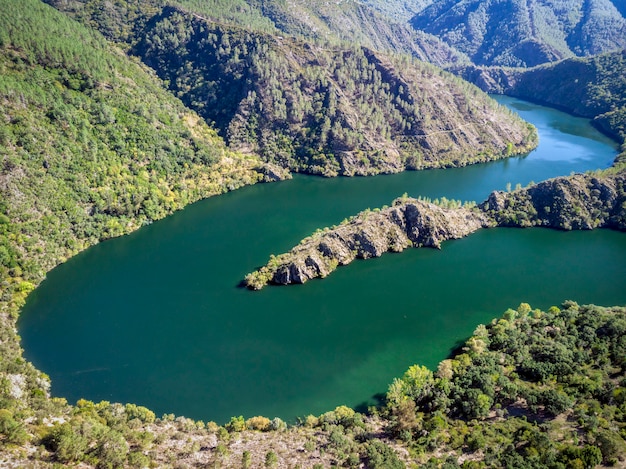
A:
(567, 203)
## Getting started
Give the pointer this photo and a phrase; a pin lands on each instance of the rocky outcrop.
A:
(408, 223)
(272, 172)
(579, 202)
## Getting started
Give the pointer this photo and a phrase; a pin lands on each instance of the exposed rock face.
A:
(408, 223)
(576, 202)
(271, 172)
(579, 202)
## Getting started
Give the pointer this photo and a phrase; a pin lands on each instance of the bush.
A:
(11, 430)
(66, 444)
(381, 456)
(236, 424)
(112, 450)
(258, 423)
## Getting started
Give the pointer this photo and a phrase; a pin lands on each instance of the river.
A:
(157, 317)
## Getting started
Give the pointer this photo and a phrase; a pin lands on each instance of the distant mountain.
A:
(326, 109)
(363, 23)
(399, 10)
(524, 33)
(347, 21)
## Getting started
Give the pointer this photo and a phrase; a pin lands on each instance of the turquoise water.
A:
(157, 317)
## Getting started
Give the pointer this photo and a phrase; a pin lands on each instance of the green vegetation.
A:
(541, 389)
(350, 22)
(594, 87)
(325, 109)
(321, 107)
(91, 147)
(520, 34)
(532, 389)
(576, 202)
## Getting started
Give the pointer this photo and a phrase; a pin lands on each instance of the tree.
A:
(271, 460)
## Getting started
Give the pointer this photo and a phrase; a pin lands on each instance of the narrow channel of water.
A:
(156, 318)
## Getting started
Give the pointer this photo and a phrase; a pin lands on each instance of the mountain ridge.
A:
(524, 34)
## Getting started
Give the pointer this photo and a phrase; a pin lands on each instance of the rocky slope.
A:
(575, 202)
(579, 202)
(358, 22)
(408, 222)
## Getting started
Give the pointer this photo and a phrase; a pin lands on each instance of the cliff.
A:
(579, 202)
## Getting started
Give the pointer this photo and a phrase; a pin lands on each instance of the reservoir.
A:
(157, 317)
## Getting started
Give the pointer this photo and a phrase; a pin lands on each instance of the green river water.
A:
(157, 317)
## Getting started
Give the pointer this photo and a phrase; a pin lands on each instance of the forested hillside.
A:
(91, 147)
(348, 21)
(326, 109)
(524, 34)
(593, 87)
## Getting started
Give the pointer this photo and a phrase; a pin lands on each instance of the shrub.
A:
(258, 423)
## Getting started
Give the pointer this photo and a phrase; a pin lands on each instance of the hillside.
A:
(348, 21)
(401, 11)
(516, 33)
(91, 147)
(593, 87)
(326, 109)
(359, 23)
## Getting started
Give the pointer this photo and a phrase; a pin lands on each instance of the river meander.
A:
(157, 318)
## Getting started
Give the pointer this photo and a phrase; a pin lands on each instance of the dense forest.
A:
(93, 146)
(323, 109)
